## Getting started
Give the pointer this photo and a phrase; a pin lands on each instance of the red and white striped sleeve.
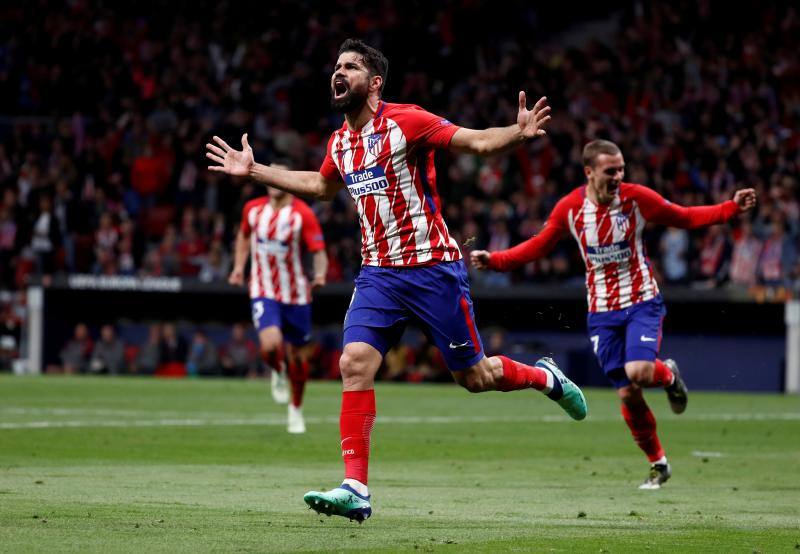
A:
(311, 230)
(328, 168)
(422, 127)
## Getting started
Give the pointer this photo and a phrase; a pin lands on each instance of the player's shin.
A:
(355, 425)
(298, 375)
(642, 424)
(274, 358)
(517, 376)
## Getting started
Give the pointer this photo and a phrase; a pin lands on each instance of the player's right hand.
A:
(479, 259)
(236, 277)
(745, 199)
(233, 162)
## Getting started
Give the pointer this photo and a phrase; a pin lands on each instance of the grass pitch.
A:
(100, 465)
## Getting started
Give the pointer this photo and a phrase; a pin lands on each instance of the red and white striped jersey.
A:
(388, 169)
(618, 272)
(277, 238)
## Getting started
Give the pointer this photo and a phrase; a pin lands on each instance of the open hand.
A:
(479, 259)
(532, 122)
(233, 162)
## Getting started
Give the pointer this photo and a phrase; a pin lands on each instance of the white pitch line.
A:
(701, 454)
(400, 420)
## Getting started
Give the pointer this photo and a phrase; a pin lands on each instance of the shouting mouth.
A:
(340, 88)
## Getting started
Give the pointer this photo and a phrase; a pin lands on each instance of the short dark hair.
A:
(376, 62)
(597, 147)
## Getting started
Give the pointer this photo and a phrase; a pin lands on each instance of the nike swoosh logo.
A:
(647, 339)
(454, 346)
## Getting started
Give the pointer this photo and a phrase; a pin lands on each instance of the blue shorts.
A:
(628, 335)
(436, 298)
(293, 320)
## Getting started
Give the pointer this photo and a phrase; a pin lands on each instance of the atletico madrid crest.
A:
(373, 143)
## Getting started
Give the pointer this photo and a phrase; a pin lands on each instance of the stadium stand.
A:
(106, 111)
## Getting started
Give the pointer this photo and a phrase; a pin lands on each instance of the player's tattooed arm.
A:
(241, 163)
(496, 140)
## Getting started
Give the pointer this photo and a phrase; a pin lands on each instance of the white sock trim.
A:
(550, 381)
(661, 461)
(357, 486)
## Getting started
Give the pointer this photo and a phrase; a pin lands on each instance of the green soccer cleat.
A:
(341, 501)
(571, 399)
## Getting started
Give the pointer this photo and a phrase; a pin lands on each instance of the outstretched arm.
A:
(534, 248)
(659, 210)
(496, 140)
(242, 164)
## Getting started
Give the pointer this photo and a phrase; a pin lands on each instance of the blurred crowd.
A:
(173, 350)
(165, 351)
(105, 109)
(108, 107)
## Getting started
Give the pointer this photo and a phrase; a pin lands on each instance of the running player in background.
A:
(274, 231)
(606, 217)
(412, 269)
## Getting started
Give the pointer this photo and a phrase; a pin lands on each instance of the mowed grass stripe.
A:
(450, 471)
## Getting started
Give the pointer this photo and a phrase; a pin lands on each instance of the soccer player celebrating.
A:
(606, 217)
(412, 268)
(273, 232)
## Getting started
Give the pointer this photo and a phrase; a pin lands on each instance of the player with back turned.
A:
(606, 217)
(412, 271)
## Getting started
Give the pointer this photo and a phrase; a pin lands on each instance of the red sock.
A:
(274, 359)
(298, 375)
(642, 424)
(662, 375)
(355, 426)
(518, 376)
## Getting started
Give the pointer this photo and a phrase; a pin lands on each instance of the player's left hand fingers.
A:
(540, 104)
(222, 143)
(216, 149)
(522, 100)
(212, 156)
(543, 113)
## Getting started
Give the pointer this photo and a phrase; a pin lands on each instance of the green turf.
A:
(193, 466)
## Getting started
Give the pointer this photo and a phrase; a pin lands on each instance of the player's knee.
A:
(639, 373)
(268, 348)
(353, 365)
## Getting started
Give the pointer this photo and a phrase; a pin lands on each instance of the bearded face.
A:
(346, 98)
(349, 83)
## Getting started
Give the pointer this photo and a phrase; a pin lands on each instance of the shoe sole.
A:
(322, 506)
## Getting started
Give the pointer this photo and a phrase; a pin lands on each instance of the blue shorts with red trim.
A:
(435, 298)
(294, 320)
(629, 335)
